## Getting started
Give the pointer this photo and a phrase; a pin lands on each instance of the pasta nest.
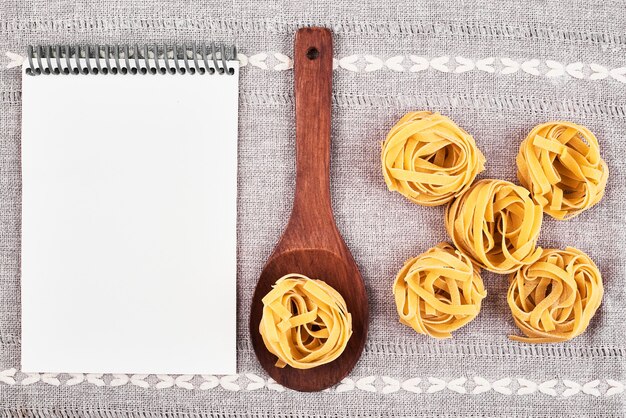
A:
(429, 159)
(305, 322)
(497, 224)
(439, 291)
(559, 162)
(553, 299)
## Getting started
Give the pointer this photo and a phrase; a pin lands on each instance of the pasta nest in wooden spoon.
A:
(497, 224)
(439, 291)
(305, 322)
(553, 299)
(429, 159)
(559, 162)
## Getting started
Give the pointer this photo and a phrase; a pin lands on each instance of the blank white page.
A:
(129, 223)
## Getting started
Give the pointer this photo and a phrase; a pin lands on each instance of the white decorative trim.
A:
(357, 63)
(447, 64)
(376, 384)
(15, 60)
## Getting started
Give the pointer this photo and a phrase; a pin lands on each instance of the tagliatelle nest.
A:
(439, 291)
(429, 159)
(553, 299)
(560, 163)
(305, 322)
(497, 224)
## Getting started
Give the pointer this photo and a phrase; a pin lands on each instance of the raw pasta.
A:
(429, 159)
(305, 322)
(497, 224)
(439, 291)
(553, 299)
(559, 162)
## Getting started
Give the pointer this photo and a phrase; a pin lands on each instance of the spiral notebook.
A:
(129, 170)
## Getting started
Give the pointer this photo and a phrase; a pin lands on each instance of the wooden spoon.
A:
(311, 244)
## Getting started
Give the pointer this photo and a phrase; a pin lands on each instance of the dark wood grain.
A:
(311, 244)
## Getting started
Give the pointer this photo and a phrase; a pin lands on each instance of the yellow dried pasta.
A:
(560, 163)
(305, 322)
(429, 159)
(553, 299)
(497, 224)
(439, 291)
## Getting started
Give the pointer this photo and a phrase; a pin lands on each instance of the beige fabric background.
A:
(381, 228)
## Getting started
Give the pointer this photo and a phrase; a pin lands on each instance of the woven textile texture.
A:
(497, 69)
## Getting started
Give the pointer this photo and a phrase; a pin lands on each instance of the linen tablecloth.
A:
(497, 69)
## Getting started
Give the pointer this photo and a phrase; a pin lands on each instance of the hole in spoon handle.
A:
(313, 67)
(312, 53)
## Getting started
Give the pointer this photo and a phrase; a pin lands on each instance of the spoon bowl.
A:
(311, 244)
(327, 266)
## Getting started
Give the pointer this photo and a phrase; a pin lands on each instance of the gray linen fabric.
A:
(480, 372)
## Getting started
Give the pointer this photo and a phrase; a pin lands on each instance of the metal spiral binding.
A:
(125, 59)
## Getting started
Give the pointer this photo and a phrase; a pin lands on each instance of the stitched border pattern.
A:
(359, 63)
(375, 384)
(365, 63)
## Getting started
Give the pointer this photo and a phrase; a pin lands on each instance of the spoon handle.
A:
(313, 66)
